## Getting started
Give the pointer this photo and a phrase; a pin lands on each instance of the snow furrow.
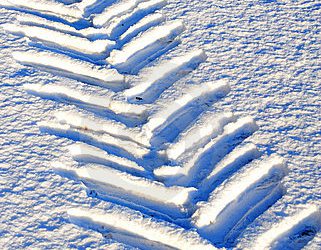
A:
(62, 41)
(32, 20)
(107, 142)
(162, 76)
(144, 46)
(118, 25)
(73, 68)
(82, 152)
(231, 238)
(199, 134)
(108, 182)
(142, 25)
(113, 128)
(139, 227)
(114, 11)
(60, 10)
(228, 203)
(172, 111)
(66, 94)
(89, 7)
(238, 158)
(204, 159)
(293, 232)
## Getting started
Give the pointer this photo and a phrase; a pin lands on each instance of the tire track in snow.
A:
(211, 177)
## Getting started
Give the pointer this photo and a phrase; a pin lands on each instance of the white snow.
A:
(62, 40)
(308, 216)
(145, 45)
(177, 66)
(118, 107)
(189, 170)
(115, 10)
(106, 181)
(32, 20)
(169, 113)
(142, 25)
(49, 7)
(86, 153)
(239, 156)
(113, 128)
(76, 69)
(206, 128)
(227, 204)
(128, 148)
(274, 73)
(118, 25)
(141, 227)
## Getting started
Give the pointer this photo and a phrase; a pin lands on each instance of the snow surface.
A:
(270, 52)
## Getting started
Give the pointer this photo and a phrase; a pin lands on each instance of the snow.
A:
(229, 164)
(149, 89)
(50, 7)
(113, 128)
(269, 52)
(194, 169)
(173, 110)
(145, 45)
(142, 25)
(76, 69)
(62, 40)
(118, 146)
(142, 227)
(308, 218)
(116, 106)
(33, 20)
(207, 127)
(114, 11)
(118, 25)
(227, 204)
(84, 153)
(109, 182)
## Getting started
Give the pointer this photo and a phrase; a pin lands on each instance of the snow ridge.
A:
(180, 175)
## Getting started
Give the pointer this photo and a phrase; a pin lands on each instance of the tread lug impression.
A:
(176, 170)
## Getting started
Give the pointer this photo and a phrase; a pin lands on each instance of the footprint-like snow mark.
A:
(293, 232)
(239, 199)
(71, 14)
(107, 103)
(139, 230)
(118, 25)
(77, 45)
(84, 153)
(162, 76)
(106, 183)
(135, 54)
(72, 68)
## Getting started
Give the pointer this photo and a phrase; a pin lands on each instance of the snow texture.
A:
(152, 112)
